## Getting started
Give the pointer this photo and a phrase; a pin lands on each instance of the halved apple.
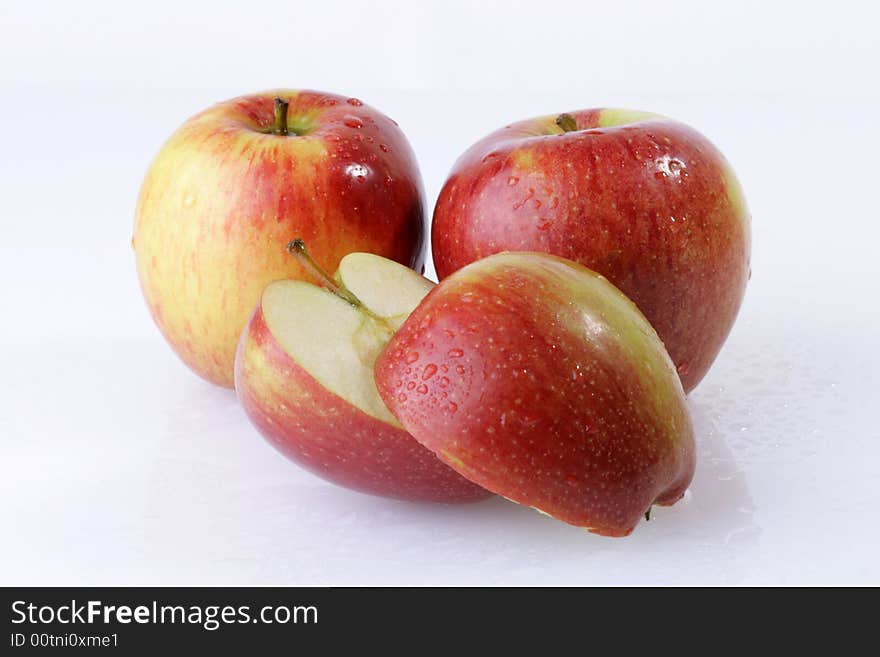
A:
(304, 375)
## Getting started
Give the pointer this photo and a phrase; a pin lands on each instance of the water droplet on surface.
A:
(354, 101)
(453, 407)
(455, 353)
(384, 148)
(422, 389)
(444, 382)
(410, 385)
(401, 397)
(353, 122)
(412, 357)
(459, 369)
(512, 181)
(430, 370)
(444, 369)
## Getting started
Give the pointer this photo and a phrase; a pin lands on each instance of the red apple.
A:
(642, 199)
(304, 375)
(232, 186)
(537, 379)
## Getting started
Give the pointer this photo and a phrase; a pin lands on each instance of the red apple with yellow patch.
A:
(644, 200)
(537, 379)
(304, 375)
(231, 187)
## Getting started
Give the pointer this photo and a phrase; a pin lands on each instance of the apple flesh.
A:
(304, 375)
(641, 199)
(537, 379)
(235, 182)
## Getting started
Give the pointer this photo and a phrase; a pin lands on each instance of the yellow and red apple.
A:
(537, 379)
(304, 375)
(228, 190)
(644, 200)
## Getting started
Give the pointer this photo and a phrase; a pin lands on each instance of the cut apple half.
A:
(304, 375)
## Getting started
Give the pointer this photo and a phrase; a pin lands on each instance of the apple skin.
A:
(644, 200)
(224, 197)
(332, 438)
(538, 380)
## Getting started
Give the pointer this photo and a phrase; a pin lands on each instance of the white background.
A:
(117, 466)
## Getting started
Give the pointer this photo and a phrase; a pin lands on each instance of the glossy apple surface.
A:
(646, 201)
(226, 194)
(304, 375)
(537, 379)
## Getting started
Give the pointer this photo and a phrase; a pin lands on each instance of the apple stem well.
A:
(566, 122)
(280, 127)
(297, 248)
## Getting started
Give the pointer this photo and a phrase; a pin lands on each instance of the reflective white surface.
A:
(118, 466)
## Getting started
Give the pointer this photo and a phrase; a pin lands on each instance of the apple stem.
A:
(280, 127)
(648, 513)
(297, 248)
(566, 122)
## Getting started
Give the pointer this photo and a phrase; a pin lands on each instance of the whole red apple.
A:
(231, 187)
(642, 199)
(537, 379)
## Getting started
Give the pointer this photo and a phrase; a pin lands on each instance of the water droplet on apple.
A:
(444, 382)
(412, 357)
(453, 407)
(455, 353)
(354, 101)
(682, 368)
(422, 389)
(513, 180)
(411, 385)
(353, 122)
(444, 369)
(401, 397)
(430, 370)
(459, 369)
(384, 148)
